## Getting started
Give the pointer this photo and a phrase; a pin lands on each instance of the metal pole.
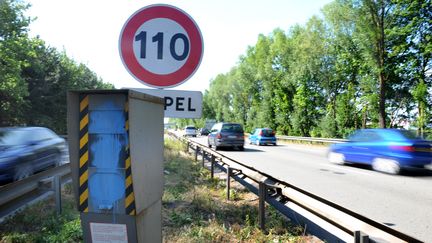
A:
(203, 157)
(187, 147)
(212, 166)
(228, 183)
(261, 210)
(196, 153)
(360, 237)
(57, 194)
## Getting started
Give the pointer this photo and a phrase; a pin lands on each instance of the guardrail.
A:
(324, 219)
(17, 194)
(311, 139)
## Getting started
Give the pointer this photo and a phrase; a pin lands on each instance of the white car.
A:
(190, 131)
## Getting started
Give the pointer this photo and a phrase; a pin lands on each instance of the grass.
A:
(40, 223)
(194, 209)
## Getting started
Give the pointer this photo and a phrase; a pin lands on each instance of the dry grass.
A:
(195, 208)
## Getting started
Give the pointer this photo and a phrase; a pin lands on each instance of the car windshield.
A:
(267, 132)
(408, 134)
(13, 137)
(365, 136)
(232, 128)
(383, 134)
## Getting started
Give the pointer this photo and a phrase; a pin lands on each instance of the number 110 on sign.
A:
(158, 41)
(161, 46)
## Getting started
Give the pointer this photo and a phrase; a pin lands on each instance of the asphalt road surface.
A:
(403, 202)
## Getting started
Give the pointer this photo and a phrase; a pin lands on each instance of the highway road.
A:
(403, 202)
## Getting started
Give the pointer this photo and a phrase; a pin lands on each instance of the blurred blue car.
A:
(25, 150)
(262, 136)
(386, 150)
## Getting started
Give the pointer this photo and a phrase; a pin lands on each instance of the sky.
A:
(88, 31)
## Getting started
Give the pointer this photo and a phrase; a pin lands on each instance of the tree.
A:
(282, 89)
(366, 64)
(307, 73)
(35, 78)
(13, 36)
(372, 24)
(49, 75)
(411, 48)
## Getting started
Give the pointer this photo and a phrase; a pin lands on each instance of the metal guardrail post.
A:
(212, 166)
(203, 153)
(360, 237)
(187, 147)
(261, 210)
(228, 182)
(196, 153)
(57, 193)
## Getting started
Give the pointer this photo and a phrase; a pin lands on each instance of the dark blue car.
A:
(386, 150)
(25, 150)
(262, 136)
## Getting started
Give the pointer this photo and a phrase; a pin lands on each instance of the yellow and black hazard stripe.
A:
(129, 192)
(83, 153)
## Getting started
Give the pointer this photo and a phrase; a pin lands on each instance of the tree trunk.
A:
(421, 119)
(364, 117)
(382, 112)
(382, 78)
(377, 11)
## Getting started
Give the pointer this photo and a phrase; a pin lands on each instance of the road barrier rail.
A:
(14, 196)
(310, 139)
(320, 217)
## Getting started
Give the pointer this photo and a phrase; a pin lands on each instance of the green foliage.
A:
(40, 223)
(365, 64)
(35, 78)
(13, 35)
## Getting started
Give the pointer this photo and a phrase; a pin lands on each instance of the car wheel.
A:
(389, 166)
(241, 148)
(217, 147)
(257, 142)
(336, 158)
(23, 172)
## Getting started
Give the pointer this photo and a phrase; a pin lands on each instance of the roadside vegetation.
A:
(40, 223)
(35, 77)
(194, 209)
(360, 64)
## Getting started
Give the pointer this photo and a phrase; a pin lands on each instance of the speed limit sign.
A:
(161, 46)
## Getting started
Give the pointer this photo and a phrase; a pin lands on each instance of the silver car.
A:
(225, 134)
(190, 131)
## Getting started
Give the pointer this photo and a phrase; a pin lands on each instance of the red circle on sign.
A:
(127, 37)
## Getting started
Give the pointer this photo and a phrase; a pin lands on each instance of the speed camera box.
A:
(116, 153)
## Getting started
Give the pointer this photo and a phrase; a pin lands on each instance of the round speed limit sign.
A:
(161, 46)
